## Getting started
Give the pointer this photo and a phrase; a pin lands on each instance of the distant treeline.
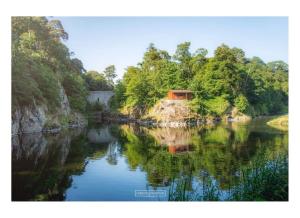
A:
(226, 79)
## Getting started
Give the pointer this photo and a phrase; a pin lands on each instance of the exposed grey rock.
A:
(173, 111)
(28, 120)
(33, 119)
(15, 122)
(64, 102)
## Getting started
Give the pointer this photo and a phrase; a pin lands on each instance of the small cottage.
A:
(180, 95)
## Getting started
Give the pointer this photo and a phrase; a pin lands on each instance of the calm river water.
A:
(125, 162)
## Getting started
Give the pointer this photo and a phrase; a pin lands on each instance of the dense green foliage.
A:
(226, 79)
(217, 105)
(119, 95)
(241, 102)
(97, 81)
(41, 64)
(110, 74)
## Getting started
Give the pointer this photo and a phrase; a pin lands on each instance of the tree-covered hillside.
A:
(41, 63)
(226, 79)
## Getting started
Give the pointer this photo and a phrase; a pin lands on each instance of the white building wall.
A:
(100, 96)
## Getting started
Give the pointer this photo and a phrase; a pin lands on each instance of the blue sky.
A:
(101, 41)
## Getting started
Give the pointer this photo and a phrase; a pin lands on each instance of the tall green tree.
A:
(110, 74)
(97, 81)
(183, 57)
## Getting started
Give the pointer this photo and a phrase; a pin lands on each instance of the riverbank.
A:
(109, 118)
(56, 124)
(175, 114)
(280, 122)
(172, 123)
(208, 120)
(39, 119)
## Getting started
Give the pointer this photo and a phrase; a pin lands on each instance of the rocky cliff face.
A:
(38, 118)
(64, 102)
(175, 113)
(171, 110)
(28, 120)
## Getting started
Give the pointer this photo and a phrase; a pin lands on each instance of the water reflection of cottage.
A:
(177, 140)
(173, 149)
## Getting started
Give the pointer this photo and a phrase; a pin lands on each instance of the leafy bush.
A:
(241, 103)
(96, 81)
(119, 97)
(197, 105)
(75, 89)
(217, 105)
(95, 106)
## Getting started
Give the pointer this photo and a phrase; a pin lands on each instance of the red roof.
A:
(181, 91)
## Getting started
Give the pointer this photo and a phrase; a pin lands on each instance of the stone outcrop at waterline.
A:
(171, 110)
(38, 118)
(177, 114)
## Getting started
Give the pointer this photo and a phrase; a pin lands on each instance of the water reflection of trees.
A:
(220, 151)
(38, 165)
(42, 165)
